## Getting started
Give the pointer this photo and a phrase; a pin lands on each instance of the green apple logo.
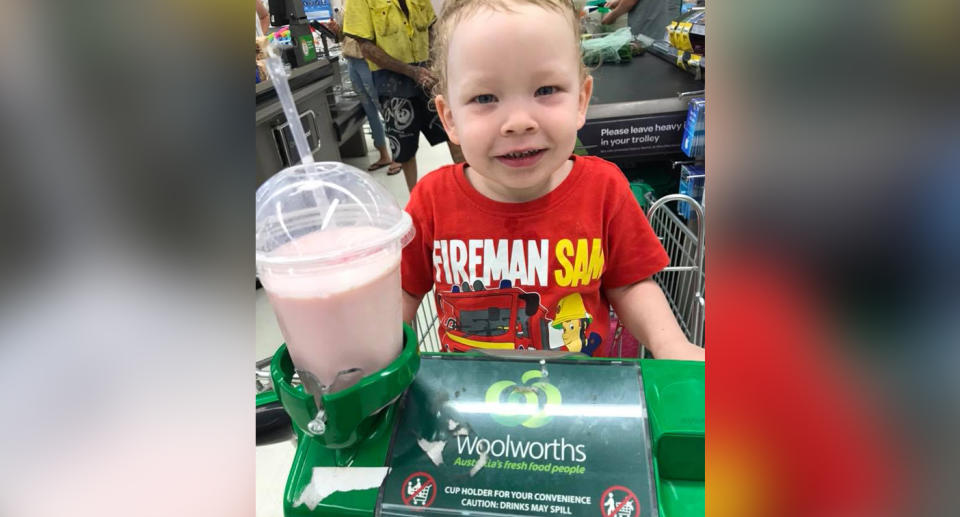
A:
(534, 393)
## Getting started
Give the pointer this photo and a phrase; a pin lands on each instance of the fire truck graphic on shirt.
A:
(508, 317)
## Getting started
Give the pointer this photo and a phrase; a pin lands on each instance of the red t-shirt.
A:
(533, 274)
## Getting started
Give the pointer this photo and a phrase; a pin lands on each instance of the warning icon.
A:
(619, 501)
(419, 489)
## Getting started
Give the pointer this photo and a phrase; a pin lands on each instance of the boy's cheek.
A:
(569, 120)
(472, 150)
(472, 139)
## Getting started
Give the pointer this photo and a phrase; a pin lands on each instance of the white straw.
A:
(279, 77)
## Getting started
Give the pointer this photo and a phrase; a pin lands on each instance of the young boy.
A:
(526, 244)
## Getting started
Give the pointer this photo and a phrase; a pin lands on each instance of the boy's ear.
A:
(586, 90)
(446, 118)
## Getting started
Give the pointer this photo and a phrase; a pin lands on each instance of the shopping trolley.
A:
(425, 324)
(682, 280)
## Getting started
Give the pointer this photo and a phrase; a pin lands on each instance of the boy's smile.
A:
(521, 157)
(514, 99)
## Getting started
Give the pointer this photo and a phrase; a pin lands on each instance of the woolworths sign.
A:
(557, 450)
(518, 438)
(525, 404)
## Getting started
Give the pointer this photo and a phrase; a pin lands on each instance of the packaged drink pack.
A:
(694, 129)
(691, 184)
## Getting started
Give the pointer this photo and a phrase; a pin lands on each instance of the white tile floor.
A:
(428, 159)
(273, 461)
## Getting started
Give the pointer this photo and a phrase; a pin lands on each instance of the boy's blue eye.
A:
(546, 90)
(484, 99)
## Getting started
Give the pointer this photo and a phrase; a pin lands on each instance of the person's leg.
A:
(410, 171)
(362, 81)
(455, 152)
(399, 120)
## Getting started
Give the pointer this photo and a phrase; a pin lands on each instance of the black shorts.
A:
(404, 119)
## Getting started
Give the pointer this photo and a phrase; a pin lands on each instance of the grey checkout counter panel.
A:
(333, 126)
(637, 111)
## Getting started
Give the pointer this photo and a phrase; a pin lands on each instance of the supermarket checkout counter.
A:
(637, 109)
(331, 122)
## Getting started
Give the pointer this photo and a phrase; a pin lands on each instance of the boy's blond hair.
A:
(456, 10)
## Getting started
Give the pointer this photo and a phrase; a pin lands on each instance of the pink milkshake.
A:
(338, 314)
(329, 240)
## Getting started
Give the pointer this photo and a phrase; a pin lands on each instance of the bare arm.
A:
(645, 312)
(617, 9)
(410, 305)
(335, 28)
(264, 16)
(376, 54)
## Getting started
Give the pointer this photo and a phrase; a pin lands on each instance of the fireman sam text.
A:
(419, 489)
(587, 263)
(521, 262)
(619, 501)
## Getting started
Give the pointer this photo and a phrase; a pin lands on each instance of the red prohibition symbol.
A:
(419, 489)
(619, 501)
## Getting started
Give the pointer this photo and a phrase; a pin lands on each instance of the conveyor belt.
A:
(644, 78)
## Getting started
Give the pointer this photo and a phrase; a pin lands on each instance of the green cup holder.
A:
(676, 403)
(353, 413)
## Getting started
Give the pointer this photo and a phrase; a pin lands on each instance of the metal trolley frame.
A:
(684, 280)
(425, 324)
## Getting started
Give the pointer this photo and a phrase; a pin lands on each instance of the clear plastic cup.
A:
(329, 241)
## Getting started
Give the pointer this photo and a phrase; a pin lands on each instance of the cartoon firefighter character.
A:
(572, 318)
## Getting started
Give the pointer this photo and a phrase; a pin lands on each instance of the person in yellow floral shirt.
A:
(394, 37)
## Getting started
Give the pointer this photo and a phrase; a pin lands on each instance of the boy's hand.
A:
(645, 312)
(685, 351)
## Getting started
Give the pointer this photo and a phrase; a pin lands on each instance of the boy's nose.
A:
(518, 122)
